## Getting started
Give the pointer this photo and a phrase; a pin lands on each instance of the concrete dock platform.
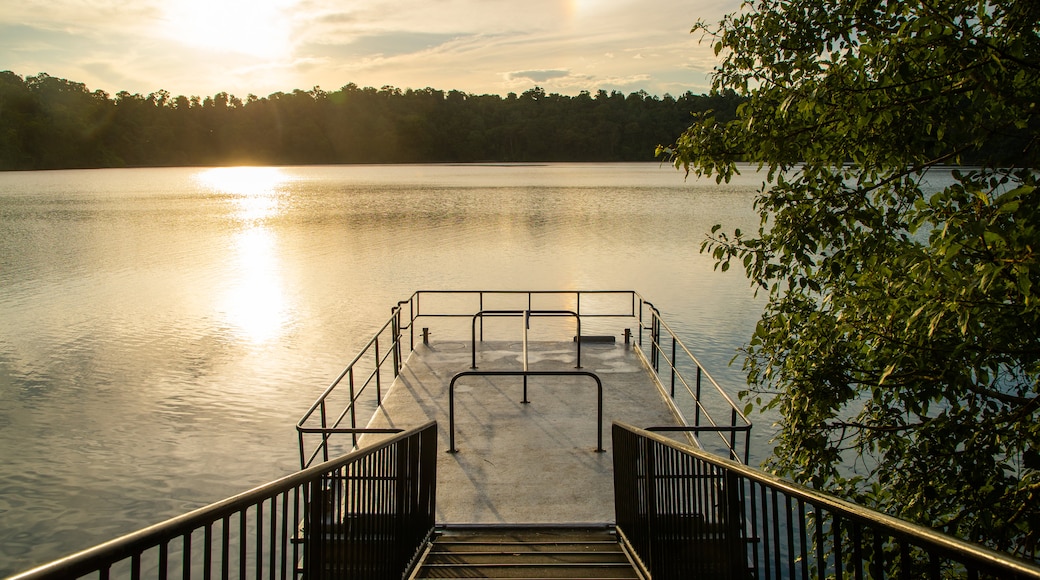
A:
(524, 463)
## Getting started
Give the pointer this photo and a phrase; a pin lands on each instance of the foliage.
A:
(48, 123)
(901, 340)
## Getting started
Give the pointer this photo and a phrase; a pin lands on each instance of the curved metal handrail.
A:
(525, 374)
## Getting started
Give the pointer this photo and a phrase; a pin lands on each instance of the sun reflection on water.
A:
(256, 192)
(254, 304)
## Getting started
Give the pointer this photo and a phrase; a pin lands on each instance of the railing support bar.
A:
(525, 374)
(379, 373)
(697, 414)
(672, 373)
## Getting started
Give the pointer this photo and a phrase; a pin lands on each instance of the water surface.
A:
(163, 329)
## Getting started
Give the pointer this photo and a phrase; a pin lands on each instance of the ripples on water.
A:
(163, 329)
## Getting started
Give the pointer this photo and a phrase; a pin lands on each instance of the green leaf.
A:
(900, 328)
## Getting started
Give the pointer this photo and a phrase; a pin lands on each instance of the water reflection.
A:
(255, 304)
(256, 192)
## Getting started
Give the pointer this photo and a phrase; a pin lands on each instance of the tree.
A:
(900, 343)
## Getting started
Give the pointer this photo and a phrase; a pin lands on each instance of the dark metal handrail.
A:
(381, 498)
(687, 513)
(319, 411)
(525, 374)
(651, 327)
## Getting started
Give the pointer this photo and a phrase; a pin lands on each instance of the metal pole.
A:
(324, 433)
(527, 326)
(353, 412)
(451, 417)
(395, 328)
(379, 373)
(697, 415)
(473, 337)
(577, 317)
(673, 367)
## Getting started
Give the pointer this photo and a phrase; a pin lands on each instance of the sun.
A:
(259, 28)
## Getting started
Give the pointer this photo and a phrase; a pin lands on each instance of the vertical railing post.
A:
(736, 555)
(655, 349)
(353, 411)
(473, 335)
(324, 433)
(733, 435)
(673, 367)
(577, 319)
(413, 311)
(395, 329)
(697, 414)
(651, 503)
(379, 374)
(641, 328)
(313, 557)
(403, 481)
(527, 327)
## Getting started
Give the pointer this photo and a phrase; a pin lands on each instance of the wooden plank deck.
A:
(524, 463)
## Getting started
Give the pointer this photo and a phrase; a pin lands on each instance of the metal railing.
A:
(363, 515)
(371, 518)
(525, 374)
(358, 389)
(690, 514)
(333, 414)
(665, 348)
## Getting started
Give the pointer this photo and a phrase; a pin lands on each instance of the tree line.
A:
(50, 123)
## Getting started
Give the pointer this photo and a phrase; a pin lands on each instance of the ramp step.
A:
(493, 552)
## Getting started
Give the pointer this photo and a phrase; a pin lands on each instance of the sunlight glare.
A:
(259, 28)
(255, 191)
(255, 305)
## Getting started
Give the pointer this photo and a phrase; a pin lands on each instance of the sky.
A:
(259, 47)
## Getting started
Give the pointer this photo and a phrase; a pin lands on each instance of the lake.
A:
(164, 329)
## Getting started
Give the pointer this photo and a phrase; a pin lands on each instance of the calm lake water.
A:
(164, 329)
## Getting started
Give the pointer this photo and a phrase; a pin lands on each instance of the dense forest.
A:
(48, 122)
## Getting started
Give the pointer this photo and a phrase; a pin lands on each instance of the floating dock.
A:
(543, 461)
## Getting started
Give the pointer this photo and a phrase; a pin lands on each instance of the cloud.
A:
(25, 39)
(393, 43)
(490, 46)
(538, 76)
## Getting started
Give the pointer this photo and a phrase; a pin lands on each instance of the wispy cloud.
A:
(477, 46)
(538, 76)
